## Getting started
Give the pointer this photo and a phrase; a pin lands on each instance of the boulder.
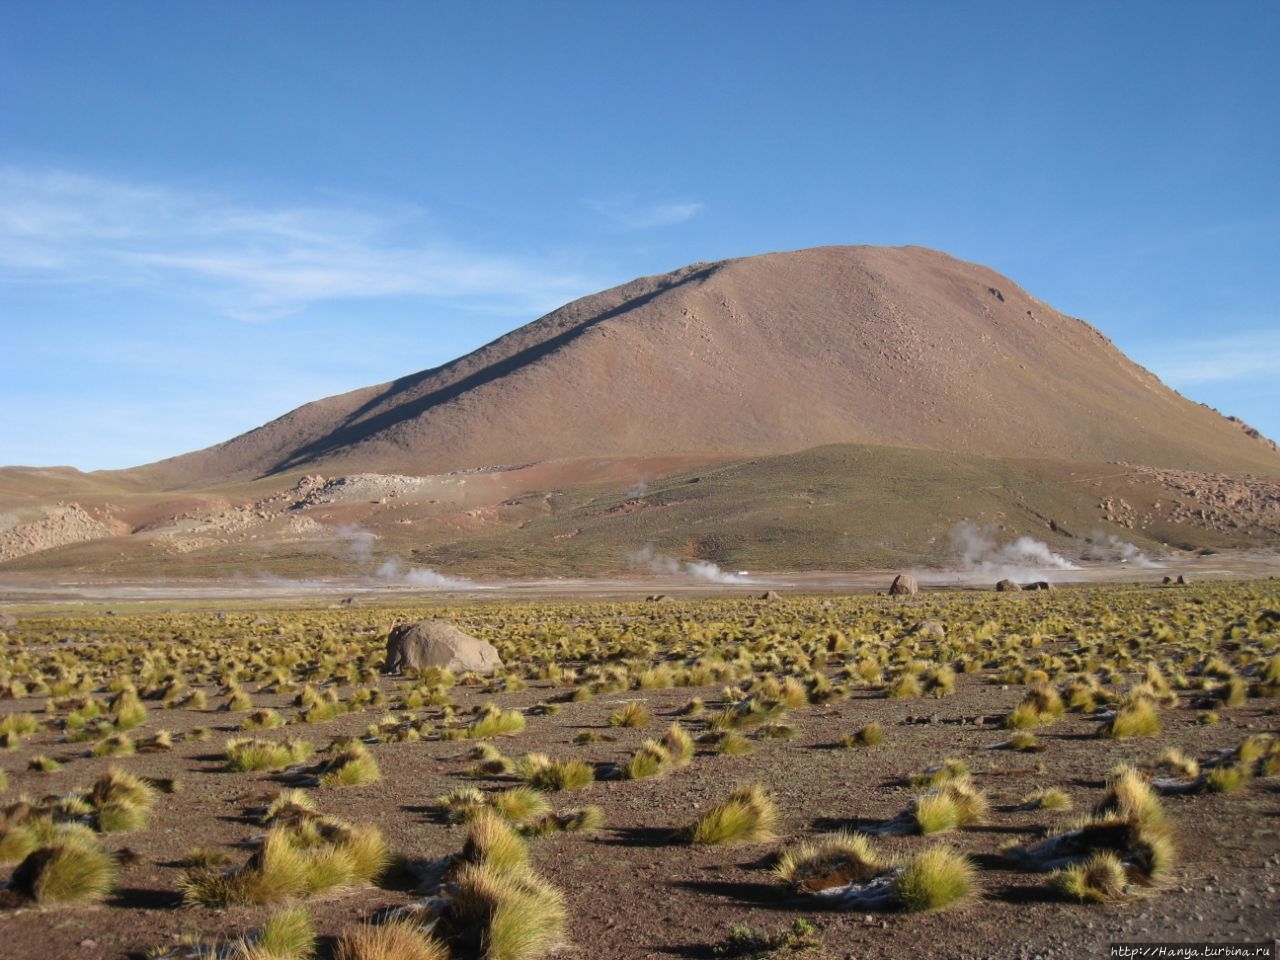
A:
(438, 643)
(1007, 586)
(904, 585)
(770, 595)
(930, 628)
(1038, 585)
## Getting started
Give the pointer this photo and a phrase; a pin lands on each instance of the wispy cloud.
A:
(626, 214)
(254, 261)
(1235, 357)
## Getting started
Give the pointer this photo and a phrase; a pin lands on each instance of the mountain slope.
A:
(761, 355)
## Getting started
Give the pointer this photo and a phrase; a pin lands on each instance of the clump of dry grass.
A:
(400, 939)
(72, 868)
(747, 815)
(830, 861)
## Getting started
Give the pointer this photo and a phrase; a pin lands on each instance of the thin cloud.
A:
(1242, 356)
(627, 215)
(252, 261)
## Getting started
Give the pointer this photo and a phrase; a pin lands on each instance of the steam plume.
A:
(981, 553)
(704, 570)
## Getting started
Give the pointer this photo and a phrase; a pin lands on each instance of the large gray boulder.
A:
(1008, 586)
(438, 643)
(904, 585)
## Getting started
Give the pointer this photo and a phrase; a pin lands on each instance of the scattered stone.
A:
(930, 628)
(904, 585)
(438, 643)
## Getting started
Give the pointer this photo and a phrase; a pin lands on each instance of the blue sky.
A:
(213, 212)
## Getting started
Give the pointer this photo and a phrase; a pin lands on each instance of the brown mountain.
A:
(769, 354)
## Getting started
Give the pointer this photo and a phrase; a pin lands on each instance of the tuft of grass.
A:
(247, 754)
(354, 766)
(939, 774)
(573, 774)
(634, 714)
(521, 804)
(262, 720)
(1130, 797)
(588, 819)
(70, 870)
(504, 915)
(116, 745)
(287, 934)
(747, 815)
(651, 760)
(830, 861)
(734, 744)
(935, 813)
(495, 723)
(1136, 719)
(679, 745)
(937, 878)
(493, 842)
(396, 940)
(41, 763)
(1050, 798)
(1229, 778)
(1099, 879)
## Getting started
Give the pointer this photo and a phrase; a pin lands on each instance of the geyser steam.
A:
(704, 570)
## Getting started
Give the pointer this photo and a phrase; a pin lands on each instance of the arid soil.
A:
(633, 891)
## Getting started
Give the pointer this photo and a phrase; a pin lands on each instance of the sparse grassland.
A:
(246, 753)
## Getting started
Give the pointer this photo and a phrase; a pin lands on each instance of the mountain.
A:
(822, 409)
(769, 354)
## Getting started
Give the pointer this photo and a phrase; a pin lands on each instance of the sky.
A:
(211, 213)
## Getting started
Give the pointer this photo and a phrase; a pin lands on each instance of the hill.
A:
(762, 355)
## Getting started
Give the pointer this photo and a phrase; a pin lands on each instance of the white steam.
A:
(704, 570)
(395, 572)
(981, 553)
(1111, 549)
(355, 544)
